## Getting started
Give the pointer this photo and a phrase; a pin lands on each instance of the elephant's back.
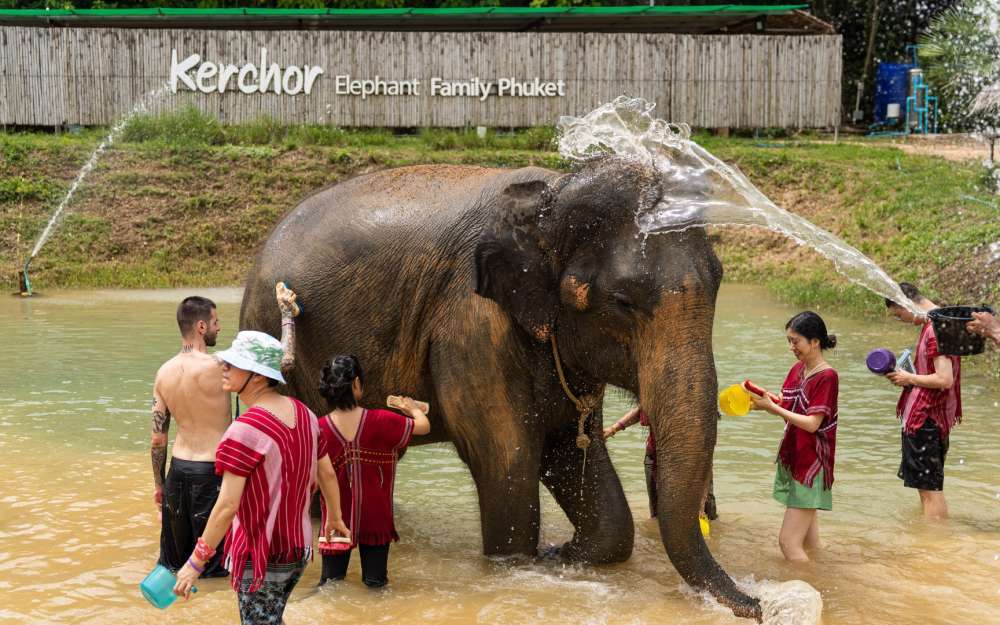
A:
(374, 258)
(394, 212)
(403, 196)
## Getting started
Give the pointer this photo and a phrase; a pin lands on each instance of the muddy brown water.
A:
(78, 530)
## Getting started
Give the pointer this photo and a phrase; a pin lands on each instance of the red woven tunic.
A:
(366, 472)
(272, 522)
(805, 453)
(650, 440)
(917, 404)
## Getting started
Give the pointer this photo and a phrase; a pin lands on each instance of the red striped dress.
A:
(272, 522)
(366, 472)
(805, 453)
(942, 406)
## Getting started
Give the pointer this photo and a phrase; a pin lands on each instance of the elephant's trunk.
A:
(677, 389)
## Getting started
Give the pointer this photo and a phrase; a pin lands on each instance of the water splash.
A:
(116, 130)
(794, 602)
(701, 190)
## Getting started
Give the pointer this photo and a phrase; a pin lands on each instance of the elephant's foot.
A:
(591, 496)
(596, 551)
(571, 551)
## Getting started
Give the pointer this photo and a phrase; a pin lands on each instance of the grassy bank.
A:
(183, 201)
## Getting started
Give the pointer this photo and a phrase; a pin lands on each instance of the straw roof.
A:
(988, 99)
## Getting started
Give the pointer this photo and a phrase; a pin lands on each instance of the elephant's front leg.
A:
(508, 498)
(499, 441)
(588, 490)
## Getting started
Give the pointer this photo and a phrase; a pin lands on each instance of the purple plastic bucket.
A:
(881, 361)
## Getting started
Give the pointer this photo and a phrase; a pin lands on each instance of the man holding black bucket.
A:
(985, 324)
(929, 407)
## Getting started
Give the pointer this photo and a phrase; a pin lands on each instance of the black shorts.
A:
(922, 466)
(189, 493)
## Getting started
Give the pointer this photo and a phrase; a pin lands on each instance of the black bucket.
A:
(949, 328)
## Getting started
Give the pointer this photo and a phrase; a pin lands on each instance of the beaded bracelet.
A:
(195, 566)
(203, 551)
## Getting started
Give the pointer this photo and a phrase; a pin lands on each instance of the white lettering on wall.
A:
(250, 78)
(345, 84)
(209, 77)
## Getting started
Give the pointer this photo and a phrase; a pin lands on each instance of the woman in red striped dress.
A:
(803, 479)
(364, 446)
(270, 459)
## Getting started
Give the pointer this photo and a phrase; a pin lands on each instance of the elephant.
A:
(510, 299)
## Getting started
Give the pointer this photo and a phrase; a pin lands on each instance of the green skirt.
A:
(796, 495)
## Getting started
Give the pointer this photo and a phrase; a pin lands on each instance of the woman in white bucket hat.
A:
(270, 459)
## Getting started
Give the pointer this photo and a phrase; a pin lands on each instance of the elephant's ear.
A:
(514, 265)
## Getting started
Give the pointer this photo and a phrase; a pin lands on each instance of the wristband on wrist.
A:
(203, 551)
(195, 566)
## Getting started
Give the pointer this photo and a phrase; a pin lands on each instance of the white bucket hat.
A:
(257, 352)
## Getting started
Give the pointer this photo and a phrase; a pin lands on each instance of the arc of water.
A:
(700, 190)
(116, 130)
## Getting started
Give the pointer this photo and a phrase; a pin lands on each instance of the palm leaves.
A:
(961, 52)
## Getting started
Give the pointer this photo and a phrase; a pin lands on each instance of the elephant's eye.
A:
(624, 302)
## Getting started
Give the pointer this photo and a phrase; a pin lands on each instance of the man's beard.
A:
(210, 339)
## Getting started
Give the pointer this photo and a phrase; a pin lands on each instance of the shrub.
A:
(188, 126)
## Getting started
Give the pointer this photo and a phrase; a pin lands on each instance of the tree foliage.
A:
(962, 52)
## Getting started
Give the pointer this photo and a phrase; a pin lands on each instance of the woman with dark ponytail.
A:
(364, 446)
(803, 481)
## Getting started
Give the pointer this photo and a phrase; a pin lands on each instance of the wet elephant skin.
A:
(449, 282)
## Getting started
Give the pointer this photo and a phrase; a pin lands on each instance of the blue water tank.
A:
(891, 81)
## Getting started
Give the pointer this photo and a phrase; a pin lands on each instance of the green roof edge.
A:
(486, 12)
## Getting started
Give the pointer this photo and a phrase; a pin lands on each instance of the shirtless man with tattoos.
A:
(188, 390)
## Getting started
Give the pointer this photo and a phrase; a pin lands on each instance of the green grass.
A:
(183, 200)
(189, 127)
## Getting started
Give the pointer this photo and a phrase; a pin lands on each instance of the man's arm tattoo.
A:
(161, 420)
(159, 456)
(158, 453)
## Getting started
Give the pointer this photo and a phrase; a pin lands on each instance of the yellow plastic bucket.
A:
(734, 401)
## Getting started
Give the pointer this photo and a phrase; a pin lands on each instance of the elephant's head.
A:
(566, 257)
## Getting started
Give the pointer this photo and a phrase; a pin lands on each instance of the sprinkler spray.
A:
(25, 281)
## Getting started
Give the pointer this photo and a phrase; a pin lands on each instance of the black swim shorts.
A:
(189, 494)
(924, 452)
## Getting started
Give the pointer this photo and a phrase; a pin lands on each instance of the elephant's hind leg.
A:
(590, 494)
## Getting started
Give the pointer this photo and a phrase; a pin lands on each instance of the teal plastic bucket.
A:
(158, 587)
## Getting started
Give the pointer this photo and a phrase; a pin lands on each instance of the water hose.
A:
(25, 281)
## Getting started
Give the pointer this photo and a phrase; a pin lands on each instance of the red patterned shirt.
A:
(366, 472)
(804, 453)
(916, 403)
(650, 441)
(272, 522)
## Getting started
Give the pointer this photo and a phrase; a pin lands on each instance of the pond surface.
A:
(78, 528)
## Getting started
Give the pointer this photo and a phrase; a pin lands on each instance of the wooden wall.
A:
(51, 76)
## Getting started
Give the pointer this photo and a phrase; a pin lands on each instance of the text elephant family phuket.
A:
(209, 77)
